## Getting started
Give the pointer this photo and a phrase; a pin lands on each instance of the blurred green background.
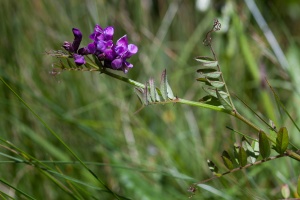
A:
(160, 151)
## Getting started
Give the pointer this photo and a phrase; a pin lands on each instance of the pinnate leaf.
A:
(213, 91)
(223, 101)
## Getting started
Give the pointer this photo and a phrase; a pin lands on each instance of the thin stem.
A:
(241, 168)
(234, 113)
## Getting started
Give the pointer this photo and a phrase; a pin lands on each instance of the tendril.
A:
(208, 39)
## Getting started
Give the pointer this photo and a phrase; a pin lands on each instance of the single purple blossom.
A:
(123, 51)
(89, 49)
(73, 47)
(79, 59)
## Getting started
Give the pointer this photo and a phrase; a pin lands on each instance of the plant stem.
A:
(234, 113)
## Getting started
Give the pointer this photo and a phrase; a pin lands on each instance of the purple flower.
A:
(73, 47)
(112, 56)
(79, 59)
(123, 50)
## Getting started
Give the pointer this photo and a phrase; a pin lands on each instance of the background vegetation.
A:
(160, 151)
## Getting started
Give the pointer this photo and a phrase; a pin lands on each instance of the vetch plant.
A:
(105, 56)
(109, 55)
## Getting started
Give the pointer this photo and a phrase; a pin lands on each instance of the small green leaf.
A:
(223, 101)
(152, 89)
(211, 64)
(170, 92)
(202, 78)
(157, 98)
(227, 160)
(251, 154)
(285, 191)
(242, 157)
(212, 167)
(163, 85)
(236, 153)
(206, 69)
(264, 145)
(255, 147)
(140, 93)
(204, 59)
(147, 94)
(216, 84)
(213, 75)
(213, 91)
(282, 140)
(210, 100)
(165, 88)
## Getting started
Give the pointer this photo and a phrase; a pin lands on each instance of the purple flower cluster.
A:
(114, 56)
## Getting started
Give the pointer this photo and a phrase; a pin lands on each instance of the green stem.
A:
(234, 113)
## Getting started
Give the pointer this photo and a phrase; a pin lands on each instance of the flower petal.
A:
(77, 40)
(89, 49)
(68, 46)
(117, 63)
(97, 31)
(132, 49)
(109, 54)
(79, 59)
(108, 33)
(122, 41)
